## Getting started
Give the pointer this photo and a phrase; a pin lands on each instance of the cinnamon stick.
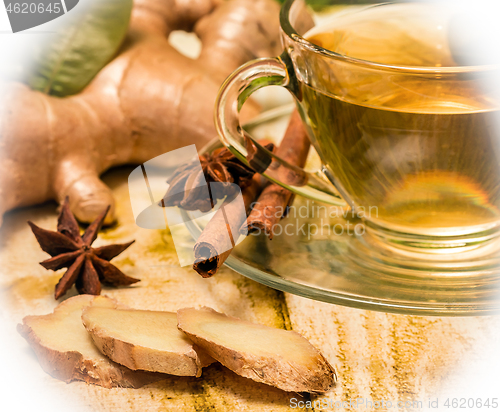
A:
(273, 202)
(219, 236)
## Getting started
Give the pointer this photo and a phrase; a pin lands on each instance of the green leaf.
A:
(88, 40)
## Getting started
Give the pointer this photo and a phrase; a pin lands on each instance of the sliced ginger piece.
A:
(145, 340)
(66, 351)
(276, 357)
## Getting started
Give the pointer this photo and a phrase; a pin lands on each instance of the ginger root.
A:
(144, 340)
(65, 350)
(71, 344)
(276, 357)
(149, 100)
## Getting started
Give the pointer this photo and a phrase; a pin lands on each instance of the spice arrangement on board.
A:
(113, 338)
(147, 100)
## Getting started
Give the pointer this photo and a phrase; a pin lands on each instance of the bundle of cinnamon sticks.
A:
(265, 204)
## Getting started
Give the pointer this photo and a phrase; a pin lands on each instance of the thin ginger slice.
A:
(65, 350)
(144, 340)
(276, 357)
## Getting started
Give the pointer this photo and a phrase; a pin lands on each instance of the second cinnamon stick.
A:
(272, 204)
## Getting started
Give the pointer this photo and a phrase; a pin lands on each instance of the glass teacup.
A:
(406, 127)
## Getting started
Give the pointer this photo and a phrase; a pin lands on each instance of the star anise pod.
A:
(87, 266)
(188, 191)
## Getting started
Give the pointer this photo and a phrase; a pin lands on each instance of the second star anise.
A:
(87, 266)
(186, 186)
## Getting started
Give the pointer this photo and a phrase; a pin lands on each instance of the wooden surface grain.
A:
(379, 357)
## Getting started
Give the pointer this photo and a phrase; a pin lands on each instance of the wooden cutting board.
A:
(378, 357)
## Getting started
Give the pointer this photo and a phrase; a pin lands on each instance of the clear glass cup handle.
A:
(233, 93)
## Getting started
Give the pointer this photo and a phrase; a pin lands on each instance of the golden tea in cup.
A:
(420, 145)
(405, 126)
